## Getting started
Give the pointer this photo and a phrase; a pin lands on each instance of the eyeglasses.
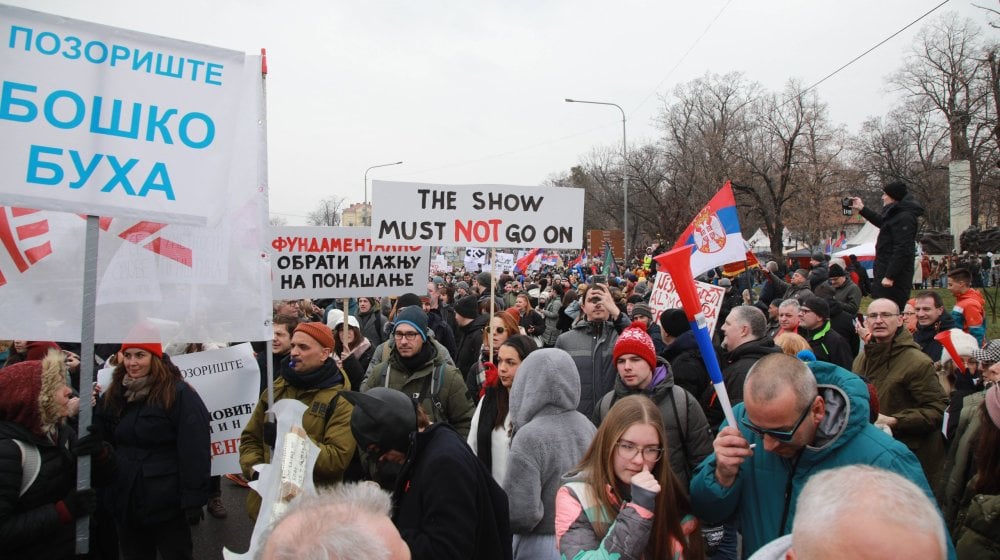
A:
(908, 313)
(804, 310)
(884, 315)
(779, 435)
(628, 450)
(498, 330)
(409, 336)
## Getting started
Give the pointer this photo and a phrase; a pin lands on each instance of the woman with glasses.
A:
(624, 500)
(489, 435)
(501, 327)
(550, 436)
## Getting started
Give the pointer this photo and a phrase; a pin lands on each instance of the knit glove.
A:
(80, 503)
(492, 377)
(194, 515)
(90, 444)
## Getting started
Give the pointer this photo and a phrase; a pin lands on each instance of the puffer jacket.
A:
(843, 437)
(688, 443)
(977, 536)
(591, 344)
(551, 313)
(960, 465)
(895, 248)
(330, 431)
(908, 390)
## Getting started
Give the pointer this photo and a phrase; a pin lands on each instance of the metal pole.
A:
(87, 368)
(366, 177)
(624, 170)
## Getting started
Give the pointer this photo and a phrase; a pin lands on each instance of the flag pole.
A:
(87, 368)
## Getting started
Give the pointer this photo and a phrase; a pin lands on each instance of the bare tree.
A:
(327, 213)
(948, 67)
(276, 220)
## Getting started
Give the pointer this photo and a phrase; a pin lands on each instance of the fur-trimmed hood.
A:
(28, 393)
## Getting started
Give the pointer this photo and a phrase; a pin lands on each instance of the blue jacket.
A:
(844, 437)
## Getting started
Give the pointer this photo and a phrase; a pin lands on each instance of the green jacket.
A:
(960, 466)
(977, 533)
(333, 436)
(909, 391)
(455, 406)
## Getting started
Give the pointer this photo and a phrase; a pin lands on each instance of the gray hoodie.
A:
(550, 438)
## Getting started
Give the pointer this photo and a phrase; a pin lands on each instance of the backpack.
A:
(31, 464)
(432, 383)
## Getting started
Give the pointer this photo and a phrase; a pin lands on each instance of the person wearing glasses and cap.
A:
(911, 399)
(796, 419)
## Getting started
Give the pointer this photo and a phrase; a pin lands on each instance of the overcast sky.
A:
(467, 92)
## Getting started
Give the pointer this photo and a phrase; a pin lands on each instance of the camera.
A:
(846, 205)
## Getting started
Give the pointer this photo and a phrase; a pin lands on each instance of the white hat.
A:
(352, 321)
(334, 318)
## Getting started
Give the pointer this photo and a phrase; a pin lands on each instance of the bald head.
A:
(775, 373)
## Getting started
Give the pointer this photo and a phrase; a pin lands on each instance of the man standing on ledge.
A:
(895, 248)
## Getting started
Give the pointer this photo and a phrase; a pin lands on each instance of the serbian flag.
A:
(735, 269)
(841, 241)
(524, 262)
(829, 246)
(714, 234)
(581, 258)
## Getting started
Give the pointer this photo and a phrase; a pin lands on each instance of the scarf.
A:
(137, 389)
(327, 375)
(416, 361)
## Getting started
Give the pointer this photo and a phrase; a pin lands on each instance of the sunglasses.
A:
(780, 435)
(498, 330)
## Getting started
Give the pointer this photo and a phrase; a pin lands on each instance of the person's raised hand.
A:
(731, 450)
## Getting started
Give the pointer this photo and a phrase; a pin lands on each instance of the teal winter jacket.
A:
(843, 437)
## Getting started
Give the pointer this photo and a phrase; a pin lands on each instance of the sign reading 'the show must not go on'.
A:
(343, 262)
(478, 215)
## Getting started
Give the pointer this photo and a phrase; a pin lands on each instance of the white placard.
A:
(112, 122)
(227, 380)
(343, 262)
(505, 262)
(484, 215)
(664, 296)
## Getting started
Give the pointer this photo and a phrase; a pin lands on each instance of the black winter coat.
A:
(895, 247)
(447, 505)
(735, 365)
(163, 457)
(687, 365)
(29, 524)
(470, 340)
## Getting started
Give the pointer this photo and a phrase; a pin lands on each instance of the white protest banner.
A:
(228, 382)
(440, 264)
(475, 258)
(664, 296)
(193, 283)
(112, 122)
(343, 262)
(505, 262)
(487, 215)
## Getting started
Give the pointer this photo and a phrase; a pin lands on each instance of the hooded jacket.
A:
(686, 364)
(895, 249)
(688, 443)
(36, 524)
(768, 483)
(591, 344)
(735, 365)
(447, 505)
(908, 390)
(550, 437)
(327, 421)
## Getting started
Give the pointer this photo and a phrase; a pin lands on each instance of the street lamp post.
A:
(624, 169)
(366, 181)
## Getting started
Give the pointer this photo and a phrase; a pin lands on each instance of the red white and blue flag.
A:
(581, 258)
(714, 234)
(524, 262)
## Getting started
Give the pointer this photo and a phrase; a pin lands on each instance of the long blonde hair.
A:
(672, 502)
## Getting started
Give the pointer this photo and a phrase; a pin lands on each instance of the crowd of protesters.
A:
(556, 414)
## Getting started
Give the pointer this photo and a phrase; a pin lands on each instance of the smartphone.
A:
(598, 279)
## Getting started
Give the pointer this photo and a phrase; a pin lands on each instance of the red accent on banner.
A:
(141, 231)
(171, 250)
(7, 237)
(27, 231)
(36, 254)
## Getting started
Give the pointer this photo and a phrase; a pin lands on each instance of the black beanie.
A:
(674, 322)
(896, 190)
(836, 271)
(407, 300)
(817, 305)
(467, 307)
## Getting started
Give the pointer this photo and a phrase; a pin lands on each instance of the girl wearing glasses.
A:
(502, 326)
(624, 499)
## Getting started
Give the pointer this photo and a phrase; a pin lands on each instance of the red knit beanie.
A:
(154, 348)
(634, 340)
(20, 385)
(318, 332)
(149, 337)
(38, 349)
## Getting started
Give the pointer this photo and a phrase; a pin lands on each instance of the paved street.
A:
(233, 532)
